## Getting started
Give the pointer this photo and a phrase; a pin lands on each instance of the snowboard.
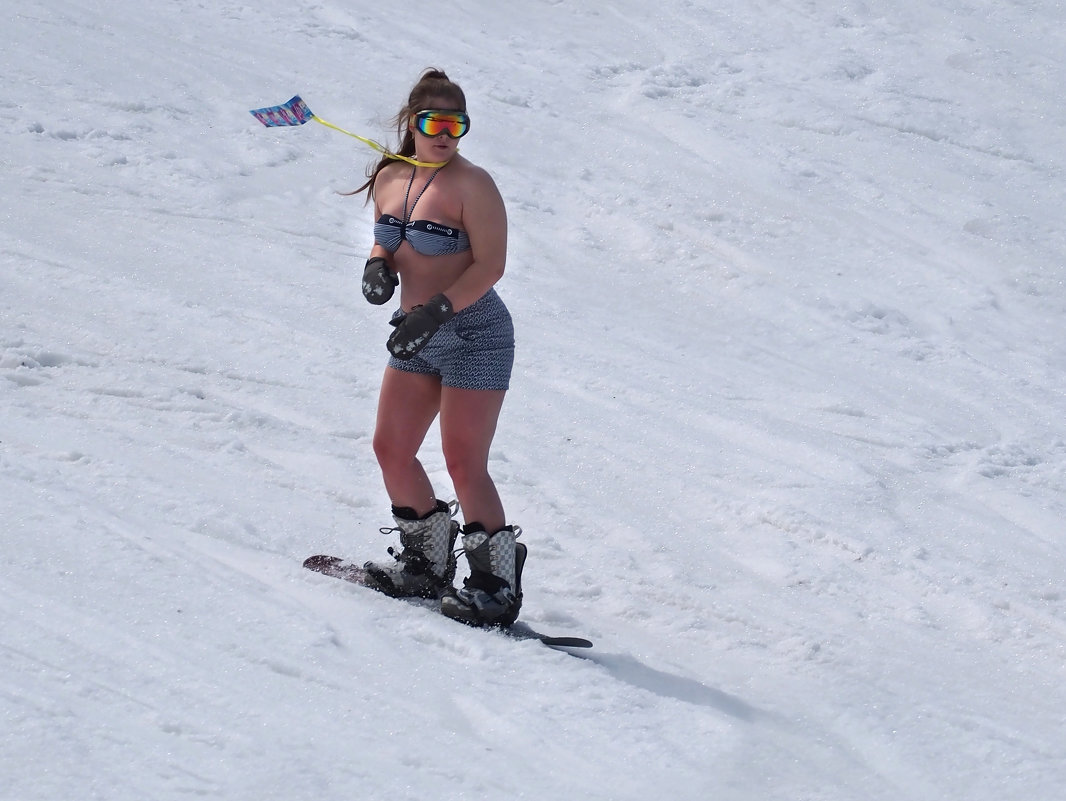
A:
(337, 567)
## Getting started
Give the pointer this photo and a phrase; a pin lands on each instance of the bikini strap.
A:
(407, 216)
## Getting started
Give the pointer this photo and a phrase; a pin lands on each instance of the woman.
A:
(441, 236)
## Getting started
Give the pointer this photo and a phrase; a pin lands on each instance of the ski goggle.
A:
(431, 122)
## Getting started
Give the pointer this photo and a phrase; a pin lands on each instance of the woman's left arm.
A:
(485, 222)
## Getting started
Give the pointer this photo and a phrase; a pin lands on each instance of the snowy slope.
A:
(784, 438)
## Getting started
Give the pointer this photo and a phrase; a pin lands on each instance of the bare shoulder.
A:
(474, 174)
(385, 185)
(391, 172)
(476, 181)
(483, 210)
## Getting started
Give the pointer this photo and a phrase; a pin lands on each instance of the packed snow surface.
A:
(785, 434)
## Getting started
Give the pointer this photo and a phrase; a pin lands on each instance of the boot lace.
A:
(412, 557)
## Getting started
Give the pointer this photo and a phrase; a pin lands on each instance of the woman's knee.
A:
(465, 468)
(393, 453)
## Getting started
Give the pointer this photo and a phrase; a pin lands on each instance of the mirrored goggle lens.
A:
(435, 123)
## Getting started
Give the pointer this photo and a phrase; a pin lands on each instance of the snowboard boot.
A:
(492, 594)
(425, 568)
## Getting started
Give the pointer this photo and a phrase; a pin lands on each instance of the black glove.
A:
(378, 281)
(414, 329)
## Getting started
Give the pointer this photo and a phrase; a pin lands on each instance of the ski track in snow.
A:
(784, 438)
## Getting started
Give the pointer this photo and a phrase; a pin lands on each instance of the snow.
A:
(785, 435)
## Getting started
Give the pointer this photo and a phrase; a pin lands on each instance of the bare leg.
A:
(407, 406)
(468, 420)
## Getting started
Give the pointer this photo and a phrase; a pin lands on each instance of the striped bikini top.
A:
(426, 237)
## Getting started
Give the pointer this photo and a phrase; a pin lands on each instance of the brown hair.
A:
(433, 83)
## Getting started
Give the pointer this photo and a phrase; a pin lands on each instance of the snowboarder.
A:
(441, 236)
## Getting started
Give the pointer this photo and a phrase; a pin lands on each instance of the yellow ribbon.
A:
(379, 147)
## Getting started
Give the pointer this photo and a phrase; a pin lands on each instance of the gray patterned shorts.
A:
(473, 350)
